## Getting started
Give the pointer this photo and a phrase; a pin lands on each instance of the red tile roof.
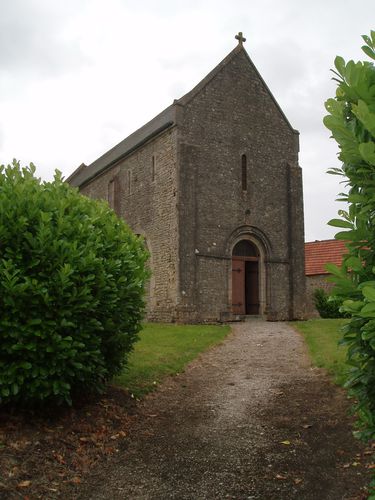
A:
(319, 253)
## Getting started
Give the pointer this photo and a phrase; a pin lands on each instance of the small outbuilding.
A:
(317, 255)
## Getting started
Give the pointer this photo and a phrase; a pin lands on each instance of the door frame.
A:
(262, 278)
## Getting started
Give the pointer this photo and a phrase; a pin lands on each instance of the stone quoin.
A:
(213, 185)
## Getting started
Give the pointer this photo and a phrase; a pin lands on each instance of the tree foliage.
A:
(328, 306)
(71, 289)
(351, 120)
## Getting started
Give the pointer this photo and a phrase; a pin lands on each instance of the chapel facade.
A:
(213, 186)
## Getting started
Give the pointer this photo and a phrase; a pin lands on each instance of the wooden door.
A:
(252, 287)
(238, 286)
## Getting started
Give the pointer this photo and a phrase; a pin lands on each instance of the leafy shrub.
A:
(328, 306)
(351, 120)
(71, 289)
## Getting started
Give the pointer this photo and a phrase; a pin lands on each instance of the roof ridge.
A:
(186, 98)
(322, 241)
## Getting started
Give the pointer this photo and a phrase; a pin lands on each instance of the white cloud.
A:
(78, 76)
(33, 38)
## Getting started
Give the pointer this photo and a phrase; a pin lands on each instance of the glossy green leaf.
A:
(368, 51)
(366, 283)
(335, 270)
(340, 223)
(356, 198)
(368, 311)
(367, 151)
(368, 40)
(345, 235)
(369, 293)
(340, 65)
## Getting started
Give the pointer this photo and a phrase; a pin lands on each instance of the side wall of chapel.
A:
(146, 190)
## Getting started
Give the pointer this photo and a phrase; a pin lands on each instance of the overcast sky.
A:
(78, 76)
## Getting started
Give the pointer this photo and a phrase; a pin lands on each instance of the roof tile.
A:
(319, 253)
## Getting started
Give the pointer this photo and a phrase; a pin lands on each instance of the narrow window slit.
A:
(153, 169)
(244, 172)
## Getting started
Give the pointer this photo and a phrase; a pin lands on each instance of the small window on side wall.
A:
(153, 168)
(244, 172)
(111, 193)
(114, 194)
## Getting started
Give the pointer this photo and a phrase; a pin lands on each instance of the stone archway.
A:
(245, 278)
(256, 248)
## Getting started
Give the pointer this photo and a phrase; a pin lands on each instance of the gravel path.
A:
(217, 430)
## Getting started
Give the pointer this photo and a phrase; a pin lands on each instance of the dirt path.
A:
(216, 431)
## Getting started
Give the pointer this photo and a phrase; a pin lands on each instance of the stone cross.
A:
(240, 38)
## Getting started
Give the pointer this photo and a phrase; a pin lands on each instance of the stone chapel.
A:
(213, 186)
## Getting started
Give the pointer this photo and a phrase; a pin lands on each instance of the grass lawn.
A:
(165, 349)
(322, 336)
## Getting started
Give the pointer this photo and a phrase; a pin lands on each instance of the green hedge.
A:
(71, 289)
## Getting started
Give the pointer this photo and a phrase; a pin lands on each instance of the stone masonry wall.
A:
(233, 115)
(296, 244)
(148, 205)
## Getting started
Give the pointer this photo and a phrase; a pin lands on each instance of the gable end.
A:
(239, 49)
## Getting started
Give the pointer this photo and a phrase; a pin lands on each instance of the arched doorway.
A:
(245, 278)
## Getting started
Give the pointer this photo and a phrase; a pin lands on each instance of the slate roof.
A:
(319, 253)
(161, 122)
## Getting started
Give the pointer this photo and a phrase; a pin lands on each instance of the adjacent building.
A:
(317, 255)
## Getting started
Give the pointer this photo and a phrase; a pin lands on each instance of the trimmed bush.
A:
(328, 306)
(71, 289)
